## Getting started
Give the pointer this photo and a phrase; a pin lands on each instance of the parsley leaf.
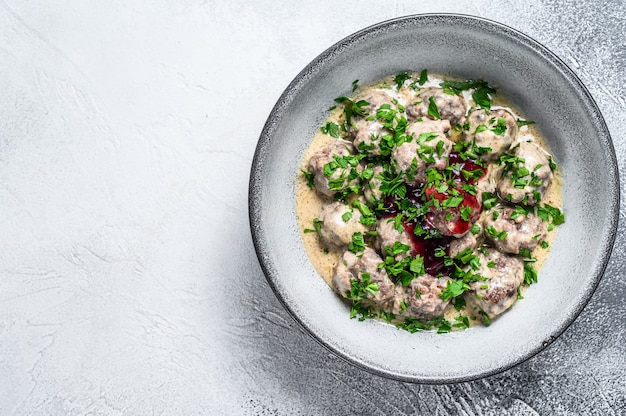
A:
(317, 227)
(482, 96)
(547, 212)
(489, 200)
(400, 79)
(423, 77)
(357, 245)
(309, 176)
(530, 274)
(521, 122)
(330, 128)
(500, 126)
(453, 289)
(500, 235)
(352, 108)
(433, 111)
(417, 265)
(455, 87)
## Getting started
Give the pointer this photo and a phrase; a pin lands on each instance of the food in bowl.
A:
(537, 82)
(428, 202)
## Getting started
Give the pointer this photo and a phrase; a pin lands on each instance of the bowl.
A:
(538, 83)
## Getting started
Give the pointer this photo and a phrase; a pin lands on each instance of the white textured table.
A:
(128, 279)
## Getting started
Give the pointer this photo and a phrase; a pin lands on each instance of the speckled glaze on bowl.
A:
(546, 90)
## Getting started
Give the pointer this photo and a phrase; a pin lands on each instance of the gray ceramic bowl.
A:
(546, 90)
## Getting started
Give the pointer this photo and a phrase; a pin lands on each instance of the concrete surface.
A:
(128, 280)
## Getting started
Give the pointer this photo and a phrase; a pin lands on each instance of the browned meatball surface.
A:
(353, 269)
(450, 107)
(339, 223)
(526, 175)
(421, 299)
(340, 178)
(504, 274)
(510, 230)
(495, 130)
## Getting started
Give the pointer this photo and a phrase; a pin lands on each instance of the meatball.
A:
(421, 299)
(468, 241)
(336, 229)
(422, 152)
(510, 229)
(504, 275)
(452, 212)
(371, 190)
(388, 236)
(450, 107)
(427, 125)
(352, 268)
(376, 97)
(527, 175)
(368, 136)
(367, 132)
(340, 178)
(495, 130)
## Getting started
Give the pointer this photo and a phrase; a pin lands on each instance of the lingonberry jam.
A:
(436, 227)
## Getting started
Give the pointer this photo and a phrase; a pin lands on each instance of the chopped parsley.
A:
(500, 235)
(550, 214)
(364, 288)
(530, 274)
(423, 77)
(357, 245)
(330, 128)
(454, 288)
(400, 79)
(310, 178)
(352, 108)
(317, 227)
(433, 111)
(500, 127)
(413, 325)
(481, 95)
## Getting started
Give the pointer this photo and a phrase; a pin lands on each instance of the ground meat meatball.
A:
(366, 132)
(335, 231)
(377, 97)
(427, 125)
(388, 236)
(451, 107)
(415, 157)
(455, 220)
(367, 136)
(527, 175)
(499, 292)
(495, 130)
(470, 241)
(324, 156)
(371, 190)
(510, 229)
(421, 298)
(353, 268)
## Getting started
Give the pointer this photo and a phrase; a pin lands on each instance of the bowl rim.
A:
(301, 78)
